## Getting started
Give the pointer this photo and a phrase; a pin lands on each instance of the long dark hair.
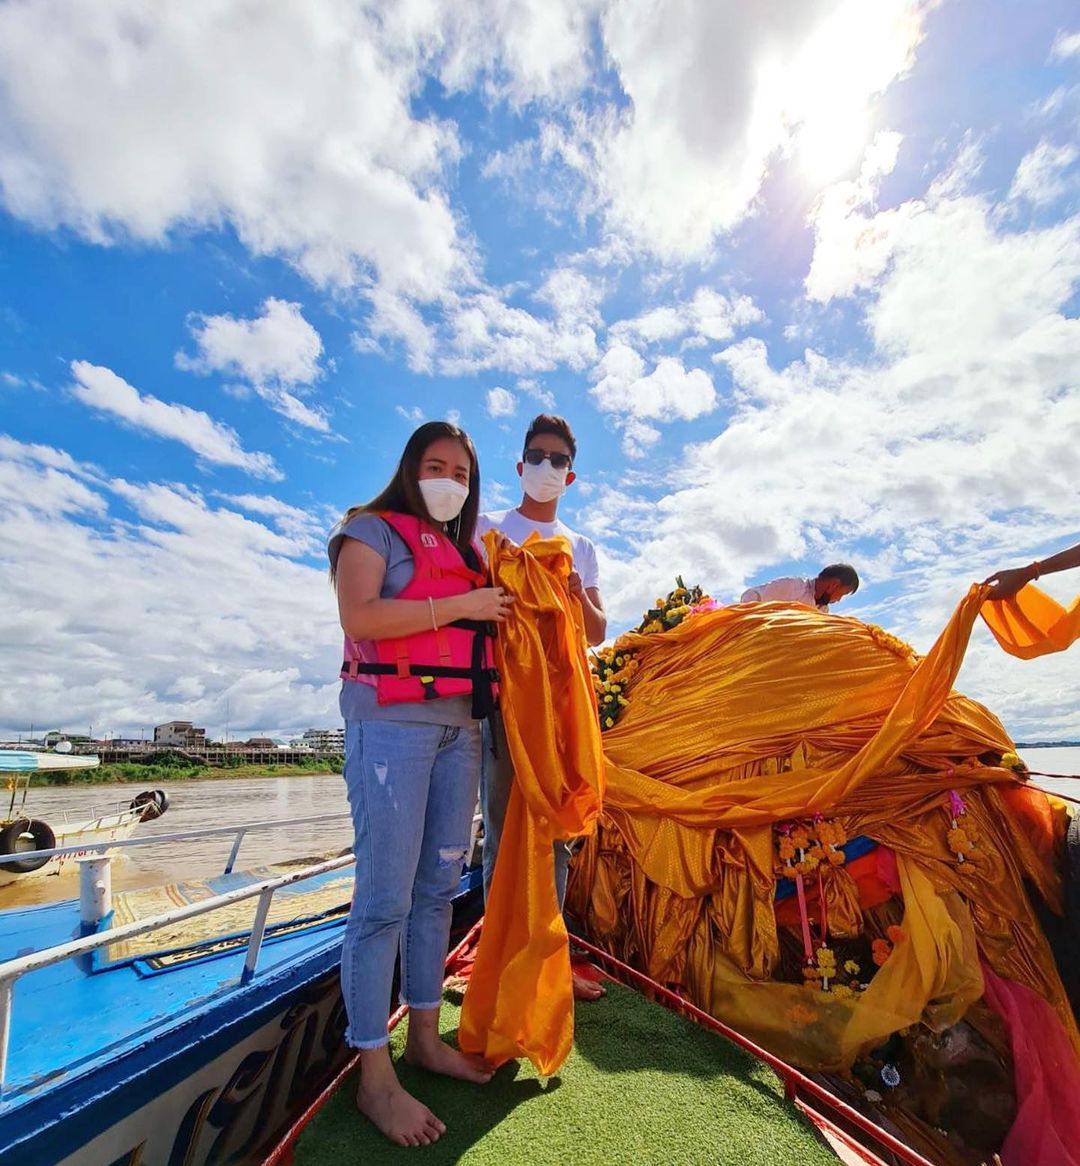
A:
(402, 493)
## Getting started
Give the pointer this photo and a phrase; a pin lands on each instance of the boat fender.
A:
(152, 803)
(18, 835)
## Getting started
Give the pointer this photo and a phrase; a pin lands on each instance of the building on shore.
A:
(180, 734)
(325, 740)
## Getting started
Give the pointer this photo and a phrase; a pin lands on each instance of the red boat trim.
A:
(794, 1080)
(281, 1154)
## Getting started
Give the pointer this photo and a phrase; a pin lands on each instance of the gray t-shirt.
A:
(358, 701)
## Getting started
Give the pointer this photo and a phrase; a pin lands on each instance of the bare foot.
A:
(439, 1057)
(396, 1114)
(586, 989)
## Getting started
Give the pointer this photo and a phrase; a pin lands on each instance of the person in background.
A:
(830, 586)
(1006, 583)
(546, 470)
(412, 596)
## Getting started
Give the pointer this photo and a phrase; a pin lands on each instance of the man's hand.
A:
(573, 583)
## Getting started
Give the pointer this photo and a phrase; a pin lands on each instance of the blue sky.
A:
(803, 279)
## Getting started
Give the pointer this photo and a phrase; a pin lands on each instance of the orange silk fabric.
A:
(520, 998)
(754, 714)
(1032, 624)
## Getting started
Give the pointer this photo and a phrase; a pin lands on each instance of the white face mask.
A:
(443, 497)
(543, 483)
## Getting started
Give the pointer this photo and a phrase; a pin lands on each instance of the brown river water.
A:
(193, 805)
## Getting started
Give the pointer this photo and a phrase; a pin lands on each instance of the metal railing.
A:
(13, 970)
(239, 831)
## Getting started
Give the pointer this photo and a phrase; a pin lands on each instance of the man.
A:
(546, 470)
(830, 586)
(1007, 583)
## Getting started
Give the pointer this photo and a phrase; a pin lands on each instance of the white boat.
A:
(23, 834)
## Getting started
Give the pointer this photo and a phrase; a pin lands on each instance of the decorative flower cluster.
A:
(613, 668)
(890, 642)
(670, 612)
(962, 837)
(804, 847)
(822, 973)
(1012, 760)
(881, 949)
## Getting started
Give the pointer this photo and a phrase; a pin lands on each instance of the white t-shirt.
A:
(517, 529)
(790, 589)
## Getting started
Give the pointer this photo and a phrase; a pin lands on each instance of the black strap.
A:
(483, 678)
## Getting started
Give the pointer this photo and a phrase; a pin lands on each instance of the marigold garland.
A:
(613, 668)
(802, 848)
(962, 837)
(1013, 761)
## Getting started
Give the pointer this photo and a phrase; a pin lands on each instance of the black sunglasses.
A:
(536, 457)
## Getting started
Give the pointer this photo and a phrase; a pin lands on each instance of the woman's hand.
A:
(485, 604)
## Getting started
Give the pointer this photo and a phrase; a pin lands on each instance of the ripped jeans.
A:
(412, 790)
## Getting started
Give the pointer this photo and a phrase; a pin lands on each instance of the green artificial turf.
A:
(642, 1086)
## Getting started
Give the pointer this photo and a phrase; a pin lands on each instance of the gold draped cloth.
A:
(745, 716)
(520, 997)
(1032, 624)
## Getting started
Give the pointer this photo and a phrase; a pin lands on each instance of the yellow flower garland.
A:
(613, 668)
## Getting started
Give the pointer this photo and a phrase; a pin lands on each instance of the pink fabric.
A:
(1046, 1131)
(887, 870)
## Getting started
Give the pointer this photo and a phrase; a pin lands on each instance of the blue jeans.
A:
(412, 792)
(496, 780)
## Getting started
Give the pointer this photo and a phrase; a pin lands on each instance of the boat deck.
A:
(641, 1085)
(66, 1018)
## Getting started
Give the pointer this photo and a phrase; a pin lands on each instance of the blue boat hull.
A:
(216, 1078)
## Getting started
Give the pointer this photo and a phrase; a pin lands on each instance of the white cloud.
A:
(277, 347)
(487, 333)
(122, 654)
(292, 124)
(851, 248)
(538, 393)
(306, 528)
(525, 49)
(101, 389)
(500, 402)
(1066, 44)
(709, 315)
(1041, 176)
(394, 318)
(638, 437)
(719, 93)
(413, 414)
(669, 391)
(633, 398)
(944, 453)
(277, 353)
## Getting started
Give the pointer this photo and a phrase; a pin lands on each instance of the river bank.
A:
(153, 773)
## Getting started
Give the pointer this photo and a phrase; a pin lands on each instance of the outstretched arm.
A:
(1008, 582)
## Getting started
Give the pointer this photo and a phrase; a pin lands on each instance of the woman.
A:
(414, 608)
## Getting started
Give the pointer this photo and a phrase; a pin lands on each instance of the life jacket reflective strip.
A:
(406, 670)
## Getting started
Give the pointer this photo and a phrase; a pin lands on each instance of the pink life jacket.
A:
(455, 660)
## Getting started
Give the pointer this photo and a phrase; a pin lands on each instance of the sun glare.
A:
(848, 61)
